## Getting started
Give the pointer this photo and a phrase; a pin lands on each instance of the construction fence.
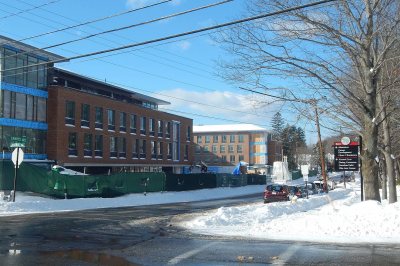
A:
(53, 183)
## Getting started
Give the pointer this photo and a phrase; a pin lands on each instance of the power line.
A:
(129, 26)
(181, 34)
(27, 10)
(93, 21)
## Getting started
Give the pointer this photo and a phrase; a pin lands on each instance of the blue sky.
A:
(181, 72)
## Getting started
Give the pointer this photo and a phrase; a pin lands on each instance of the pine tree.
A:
(277, 125)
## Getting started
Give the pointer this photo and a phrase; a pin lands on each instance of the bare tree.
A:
(333, 53)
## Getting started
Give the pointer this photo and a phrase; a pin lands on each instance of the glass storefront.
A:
(16, 71)
(35, 139)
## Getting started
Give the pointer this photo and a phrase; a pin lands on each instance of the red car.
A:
(276, 192)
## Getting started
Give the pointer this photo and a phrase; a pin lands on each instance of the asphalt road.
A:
(150, 235)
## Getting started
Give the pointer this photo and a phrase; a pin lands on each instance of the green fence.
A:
(183, 182)
(37, 179)
(297, 174)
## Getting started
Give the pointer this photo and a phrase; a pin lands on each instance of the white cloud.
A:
(220, 104)
(142, 3)
(136, 3)
(184, 45)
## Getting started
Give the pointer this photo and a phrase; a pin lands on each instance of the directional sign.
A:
(346, 156)
(17, 157)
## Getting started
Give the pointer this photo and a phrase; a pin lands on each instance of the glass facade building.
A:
(23, 97)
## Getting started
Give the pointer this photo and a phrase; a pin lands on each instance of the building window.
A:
(20, 106)
(206, 148)
(85, 115)
(232, 158)
(160, 150)
(122, 122)
(153, 149)
(142, 149)
(111, 119)
(239, 148)
(186, 155)
(143, 125)
(152, 126)
(214, 148)
(222, 149)
(87, 145)
(199, 139)
(160, 128)
(241, 158)
(223, 138)
(72, 141)
(169, 151)
(122, 147)
(99, 118)
(168, 129)
(215, 138)
(241, 138)
(188, 133)
(135, 149)
(41, 109)
(69, 113)
(232, 138)
(133, 124)
(98, 146)
(198, 149)
(208, 139)
(113, 147)
(231, 148)
(223, 158)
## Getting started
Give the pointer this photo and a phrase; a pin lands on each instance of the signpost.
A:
(304, 171)
(17, 157)
(346, 156)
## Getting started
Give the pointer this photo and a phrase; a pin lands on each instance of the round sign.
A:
(345, 140)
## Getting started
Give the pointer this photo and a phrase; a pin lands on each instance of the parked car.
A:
(320, 185)
(312, 189)
(276, 192)
(295, 191)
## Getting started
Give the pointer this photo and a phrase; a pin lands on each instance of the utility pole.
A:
(321, 152)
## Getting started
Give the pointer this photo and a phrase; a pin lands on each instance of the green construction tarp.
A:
(183, 182)
(230, 180)
(53, 183)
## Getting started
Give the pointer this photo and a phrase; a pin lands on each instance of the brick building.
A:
(83, 123)
(227, 145)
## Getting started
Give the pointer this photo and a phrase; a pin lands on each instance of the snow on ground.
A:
(28, 203)
(339, 217)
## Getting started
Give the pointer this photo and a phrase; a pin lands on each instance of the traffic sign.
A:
(17, 157)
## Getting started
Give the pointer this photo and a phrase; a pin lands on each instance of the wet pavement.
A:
(150, 235)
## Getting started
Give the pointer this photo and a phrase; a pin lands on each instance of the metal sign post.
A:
(17, 157)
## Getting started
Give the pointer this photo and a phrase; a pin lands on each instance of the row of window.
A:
(16, 70)
(22, 106)
(222, 148)
(162, 128)
(93, 147)
(223, 159)
(216, 138)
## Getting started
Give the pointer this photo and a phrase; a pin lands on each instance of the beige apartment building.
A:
(227, 145)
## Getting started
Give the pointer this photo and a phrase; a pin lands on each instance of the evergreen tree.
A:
(277, 125)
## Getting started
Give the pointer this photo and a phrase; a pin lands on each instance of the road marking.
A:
(188, 254)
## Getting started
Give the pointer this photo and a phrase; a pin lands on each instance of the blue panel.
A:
(11, 48)
(24, 90)
(22, 123)
(258, 143)
(7, 156)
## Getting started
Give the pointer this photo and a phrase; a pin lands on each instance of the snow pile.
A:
(336, 217)
(27, 203)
